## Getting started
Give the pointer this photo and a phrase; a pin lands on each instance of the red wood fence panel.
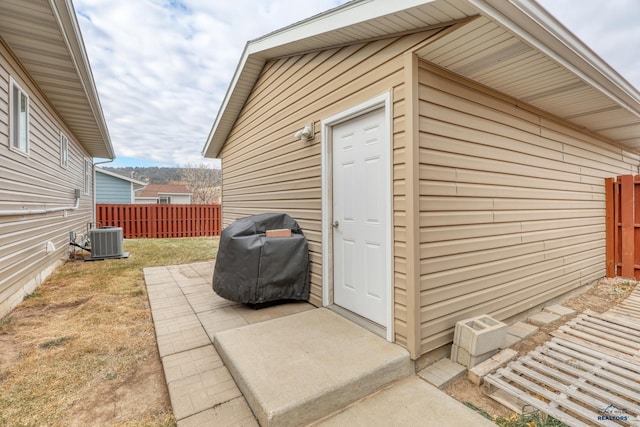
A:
(161, 221)
(622, 196)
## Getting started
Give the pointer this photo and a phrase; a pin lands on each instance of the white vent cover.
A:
(106, 242)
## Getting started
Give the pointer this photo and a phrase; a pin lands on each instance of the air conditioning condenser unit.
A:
(107, 243)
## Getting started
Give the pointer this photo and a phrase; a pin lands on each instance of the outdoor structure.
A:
(445, 158)
(115, 188)
(171, 194)
(51, 126)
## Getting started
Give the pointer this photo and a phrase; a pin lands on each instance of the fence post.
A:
(627, 204)
(152, 221)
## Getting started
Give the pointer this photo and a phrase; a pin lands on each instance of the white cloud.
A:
(162, 67)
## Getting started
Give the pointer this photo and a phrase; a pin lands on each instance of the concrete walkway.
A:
(187, 315)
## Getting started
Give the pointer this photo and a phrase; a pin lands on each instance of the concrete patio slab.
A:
(187, 314)
(543, 318)
(296, 369)
(442, 373)
(409, 402)
(192, 362)
(235, 413)
(213, 323)
(183, 340)
(198, 393)
(522, 330)
(204, 288)
(200, 301)
(177, 324)
(560, 310)
(252, 315)
(157, 276)
(170, 311)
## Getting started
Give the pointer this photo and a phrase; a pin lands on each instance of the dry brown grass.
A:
(81, 350)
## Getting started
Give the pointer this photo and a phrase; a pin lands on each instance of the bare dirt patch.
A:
(9, 354)
(141, 391)
(604, 295)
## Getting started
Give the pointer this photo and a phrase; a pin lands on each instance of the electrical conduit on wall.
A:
(17, 212)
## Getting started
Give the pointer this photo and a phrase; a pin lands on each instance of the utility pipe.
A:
(17, 212)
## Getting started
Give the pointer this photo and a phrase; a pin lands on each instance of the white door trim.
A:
(383, 100)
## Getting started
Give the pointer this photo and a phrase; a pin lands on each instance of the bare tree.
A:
(204, 183)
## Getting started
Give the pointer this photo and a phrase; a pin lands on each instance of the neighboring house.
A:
(172, 194)
(114, 188)
(457, 163)
(51, 126)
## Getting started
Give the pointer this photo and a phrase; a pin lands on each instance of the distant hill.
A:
(157, 175)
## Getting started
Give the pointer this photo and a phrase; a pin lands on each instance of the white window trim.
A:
(12, 112)
(64, 150)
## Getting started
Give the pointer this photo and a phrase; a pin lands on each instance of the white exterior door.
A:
(361, 198)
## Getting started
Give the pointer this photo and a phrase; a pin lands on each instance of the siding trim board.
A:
(412, 207)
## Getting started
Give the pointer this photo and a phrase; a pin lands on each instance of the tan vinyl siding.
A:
(511, 204)
(36, 181)
(266, 169)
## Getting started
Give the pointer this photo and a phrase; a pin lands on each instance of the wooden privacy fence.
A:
(161, 221)
(623, 226)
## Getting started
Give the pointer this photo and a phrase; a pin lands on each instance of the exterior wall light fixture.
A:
(307, 133)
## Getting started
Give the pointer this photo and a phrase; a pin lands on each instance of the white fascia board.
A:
(122, 177)
(532, 23)
(340, 17)
(66, 16)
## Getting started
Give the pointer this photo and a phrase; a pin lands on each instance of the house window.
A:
(164, 200)
(64, 150)
(87, 176)
(19, 113)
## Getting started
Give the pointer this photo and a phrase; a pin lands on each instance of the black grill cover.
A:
(252, 268)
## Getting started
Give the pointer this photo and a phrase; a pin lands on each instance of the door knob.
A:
(335, 224)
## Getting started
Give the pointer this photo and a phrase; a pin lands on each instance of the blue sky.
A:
(162, 67)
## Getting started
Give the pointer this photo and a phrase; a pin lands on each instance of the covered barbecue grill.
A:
(262, 258)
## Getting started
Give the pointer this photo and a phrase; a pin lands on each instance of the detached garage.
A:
(444, 158)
